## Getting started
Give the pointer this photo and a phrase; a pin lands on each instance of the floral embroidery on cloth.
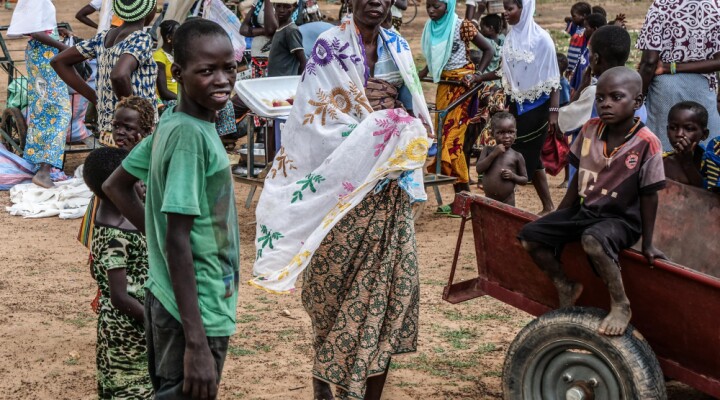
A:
(335, 152)
(683, 31)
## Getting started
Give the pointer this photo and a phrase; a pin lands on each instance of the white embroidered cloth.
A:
(529, 62)
(335, 151)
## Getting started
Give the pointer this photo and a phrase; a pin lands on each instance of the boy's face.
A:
(504, 132)
(436, 9)
(283, 11)
(512, 12)
(487, 31)
(126, 128)
(577, 18)
(209, 74)
(589, 30)
(563, 64)
(683, 124)
(616, 99)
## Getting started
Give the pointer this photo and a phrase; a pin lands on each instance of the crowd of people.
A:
(163, 231)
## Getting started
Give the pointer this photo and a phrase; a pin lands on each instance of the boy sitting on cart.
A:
(611, 201)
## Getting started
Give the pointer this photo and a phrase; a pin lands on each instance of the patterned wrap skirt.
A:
(48, 114)
(361, 290)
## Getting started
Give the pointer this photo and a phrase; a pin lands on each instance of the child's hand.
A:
(651, 253)
(507, 174)
(200, 373)
(684, 147)
(468, 80)
(499, 149)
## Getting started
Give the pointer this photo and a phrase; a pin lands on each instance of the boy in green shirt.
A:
(190, 220)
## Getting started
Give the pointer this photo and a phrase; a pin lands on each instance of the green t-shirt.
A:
(187, 172)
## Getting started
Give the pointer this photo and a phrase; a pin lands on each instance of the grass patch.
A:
(454, 315)
(286, 333)
(438, 350)
(238, 351)
(459, 338)
(435, 367)
(265, 300)
(486, 348)
(246, 318)
(493, 374)
(80, 321)
(71, 361)
(434, 282)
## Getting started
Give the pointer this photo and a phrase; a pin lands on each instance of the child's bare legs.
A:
(544, 257)
(322, 390)
(619, 317)
(539, 181)
(42, 176)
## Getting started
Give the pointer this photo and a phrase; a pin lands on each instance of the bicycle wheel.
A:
(413, 9)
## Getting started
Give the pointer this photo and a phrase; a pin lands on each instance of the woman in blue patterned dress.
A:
(48, 113)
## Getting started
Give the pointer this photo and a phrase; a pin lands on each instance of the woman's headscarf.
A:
(437, 39)
(529, 60)
(32, 16)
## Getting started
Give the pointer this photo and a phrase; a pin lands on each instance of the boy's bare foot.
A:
(616, 321)
(568, 293)
(322, 390)
(563, 185)
(42, 179)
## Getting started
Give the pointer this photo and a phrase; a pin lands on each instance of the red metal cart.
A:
(673, 332)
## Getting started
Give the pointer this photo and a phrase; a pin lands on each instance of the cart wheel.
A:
(560, 355)
(13, 125)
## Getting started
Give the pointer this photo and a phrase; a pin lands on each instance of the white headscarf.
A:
(32, 16)
(529, 61)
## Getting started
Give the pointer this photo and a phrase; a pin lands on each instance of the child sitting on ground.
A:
(610, 202)
(576, 29)
(120, 268)
(191, 296)
(501, 166)
(287, 56)
(687, 127)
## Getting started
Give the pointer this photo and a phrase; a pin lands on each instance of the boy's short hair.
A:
(99, 165)
(497, 117)
(599, 10)
(581, 8)
(700, 112)
(144, 107)
(168, 27)
(612, 43)
(492, 21)
(562, 61)
(596, 20)
(191, 29)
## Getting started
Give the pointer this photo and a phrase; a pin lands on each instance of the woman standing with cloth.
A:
(680, 41)
(336, 205)
(445, 43)
(531, 79)
(48, 114)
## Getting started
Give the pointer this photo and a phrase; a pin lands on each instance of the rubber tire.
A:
(630, 354)
(15, 117)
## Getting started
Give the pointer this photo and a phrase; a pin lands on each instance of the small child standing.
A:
(611, 201)
(593, 22)
(120, 268)
(502, 167)
(192, 287)
(687, 127)
(564, 84)
(576, 29)
(287, 56)
(166, 84)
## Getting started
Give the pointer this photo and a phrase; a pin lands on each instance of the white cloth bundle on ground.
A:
(67, 200)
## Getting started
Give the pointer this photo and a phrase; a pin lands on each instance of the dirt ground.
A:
(47, 329)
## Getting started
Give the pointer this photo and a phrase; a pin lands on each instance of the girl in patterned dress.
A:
(445, 43)
(48, 113)
(120, 268)
(125, 63)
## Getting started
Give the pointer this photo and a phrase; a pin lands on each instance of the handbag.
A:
(554, 154)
